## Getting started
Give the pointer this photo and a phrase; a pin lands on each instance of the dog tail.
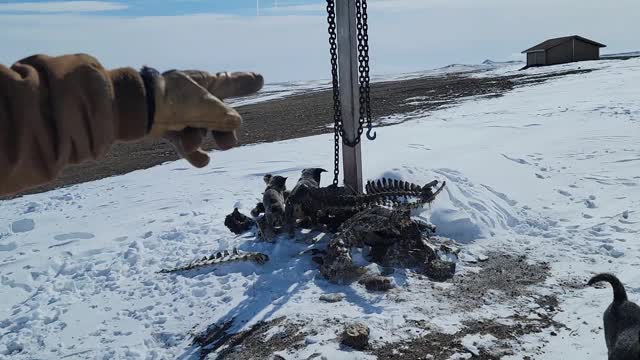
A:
(619, 294)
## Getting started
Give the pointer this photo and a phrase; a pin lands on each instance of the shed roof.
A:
(546, 45)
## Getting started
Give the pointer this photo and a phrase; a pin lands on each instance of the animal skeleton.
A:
(331, 206)
(221, 257)
(379, 219)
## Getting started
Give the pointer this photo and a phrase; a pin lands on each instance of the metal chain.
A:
(364, 70)
(337, 105)
(363, 79)
(360, 27)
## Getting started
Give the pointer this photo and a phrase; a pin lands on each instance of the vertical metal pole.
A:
(349, 91)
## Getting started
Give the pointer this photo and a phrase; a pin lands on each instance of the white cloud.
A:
(296, 8)
(63, 6)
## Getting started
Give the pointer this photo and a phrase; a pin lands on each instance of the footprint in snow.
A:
(32, 207)
(23, 225)
(611, 251)
(64, 197)
(198, 292)
(62, 244)
(564, 192)
(74, 236)
(15, 285)
(418, 146)
(8, 247)
(516, 160)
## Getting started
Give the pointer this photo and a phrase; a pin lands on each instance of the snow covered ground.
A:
(549, 171)
(624, 54)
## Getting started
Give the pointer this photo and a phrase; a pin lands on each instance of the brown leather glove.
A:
(188, 104)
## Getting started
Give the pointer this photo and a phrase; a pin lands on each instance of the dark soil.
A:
(302, 115)
(502, 277)
(251, 344)
(443, 346)
(510, 275)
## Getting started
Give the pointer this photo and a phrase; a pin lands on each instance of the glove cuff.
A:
(149, 76)
(130, 110)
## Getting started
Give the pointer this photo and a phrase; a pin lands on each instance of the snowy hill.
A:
(549, 172)
(629, 54)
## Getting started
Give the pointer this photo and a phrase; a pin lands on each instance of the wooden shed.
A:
(563, 50)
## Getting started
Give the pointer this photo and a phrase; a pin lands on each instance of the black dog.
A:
(621, 322)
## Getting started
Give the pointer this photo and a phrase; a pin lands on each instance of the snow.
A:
(546, 170)
(630, 53)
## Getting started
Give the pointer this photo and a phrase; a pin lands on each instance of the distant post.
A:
(349, 91)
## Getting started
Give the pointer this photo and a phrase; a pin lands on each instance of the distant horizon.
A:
(287, 40)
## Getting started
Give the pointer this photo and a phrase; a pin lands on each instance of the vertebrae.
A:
(222, 257)
(396, 194)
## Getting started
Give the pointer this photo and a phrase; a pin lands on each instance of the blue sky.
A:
(181, 7)
(288, 40)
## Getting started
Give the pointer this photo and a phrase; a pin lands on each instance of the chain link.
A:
(362, 26)
(363, 79)
(337, 105)
(365, 69)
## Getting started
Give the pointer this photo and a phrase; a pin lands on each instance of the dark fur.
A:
(309, 179)
(273, 204)
(259, 208)
(273, 199)
(621, 322)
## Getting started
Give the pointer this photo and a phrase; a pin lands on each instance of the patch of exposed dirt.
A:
(251, 344)
(436, 345)
(509, 277)
(500, 278)
(305, 115)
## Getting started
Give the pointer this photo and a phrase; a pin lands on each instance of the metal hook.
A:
(369, 136)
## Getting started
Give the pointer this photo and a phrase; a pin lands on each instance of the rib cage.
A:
(385, 192)
(398, 193)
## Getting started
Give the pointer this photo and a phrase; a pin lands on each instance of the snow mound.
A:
(466, 211)
(457, 224)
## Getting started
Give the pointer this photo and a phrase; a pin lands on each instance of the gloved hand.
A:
(188, 104)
